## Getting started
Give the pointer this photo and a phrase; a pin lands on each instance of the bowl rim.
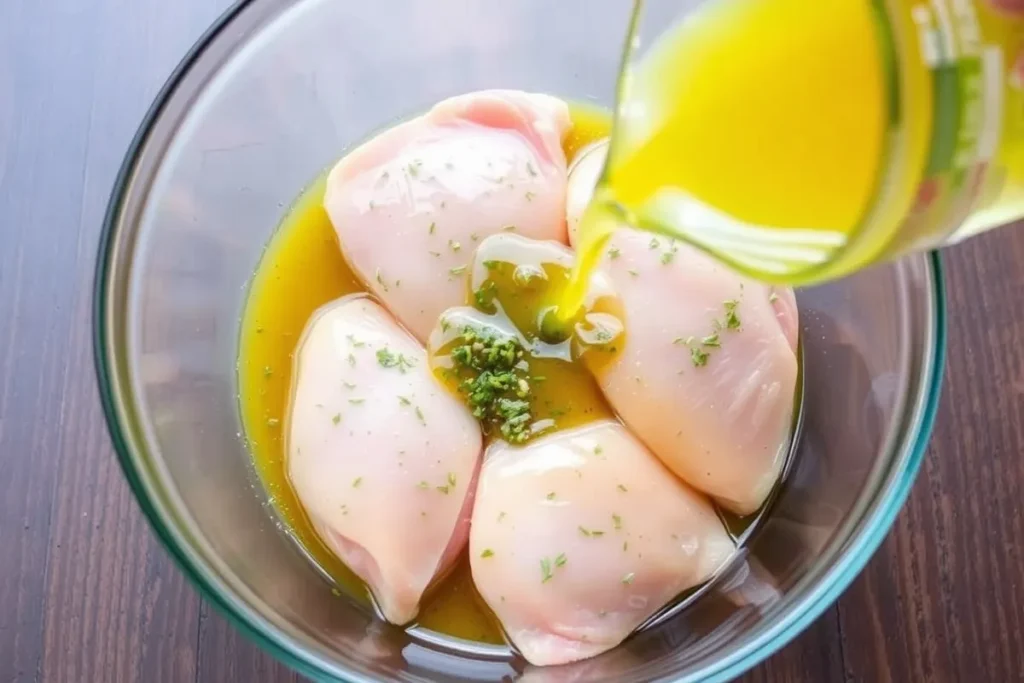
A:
(852, 559)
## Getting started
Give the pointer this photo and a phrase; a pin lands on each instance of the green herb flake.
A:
(698, 357)
(336, 418)
(443, 489)
(423, 485)
(653, 244)
(380, 280)
(484, 296)
(616, 522)
(773, 297)
(267, 372)
(404, 401)
(628, 578)
(560, 560)
(598, 450)
(667, 257)
(420, 417)
(545, 570)
(357, 482)
(622, 488)
(509, 228)
(432, 228)
(501, 516)
(531, 170)
(732, 321)
(451, 479)
(453, 245)
(487, 553)
(711, 340)
(529, 196)
(356, 401)
(633, 272)
(351, 360)
(550, 496)
(614, 253)
(388, 359)
(457, 270)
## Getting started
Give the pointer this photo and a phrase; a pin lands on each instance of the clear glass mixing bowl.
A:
(269, 97)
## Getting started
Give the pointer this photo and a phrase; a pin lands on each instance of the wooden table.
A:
(88, 594)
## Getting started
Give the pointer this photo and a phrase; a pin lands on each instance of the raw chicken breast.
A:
(410, 205)
(708, 372)
(579, 537)
(383, 459)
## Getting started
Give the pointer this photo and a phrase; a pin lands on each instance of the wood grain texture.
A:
(88, 594)
(943, 600)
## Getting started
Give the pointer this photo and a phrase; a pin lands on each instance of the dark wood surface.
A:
(88, 594)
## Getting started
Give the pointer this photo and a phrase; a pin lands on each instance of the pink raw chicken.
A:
(723, 426)
(410, 205)
(577, 538)
(382, 457)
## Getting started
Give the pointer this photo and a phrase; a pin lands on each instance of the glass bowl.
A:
(269, 97)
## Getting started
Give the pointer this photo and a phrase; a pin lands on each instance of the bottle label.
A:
(968, 51)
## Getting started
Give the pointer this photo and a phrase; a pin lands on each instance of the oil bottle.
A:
(799, 141)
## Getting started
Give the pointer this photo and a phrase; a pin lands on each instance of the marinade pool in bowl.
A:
(270, 97)
(303, 269)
